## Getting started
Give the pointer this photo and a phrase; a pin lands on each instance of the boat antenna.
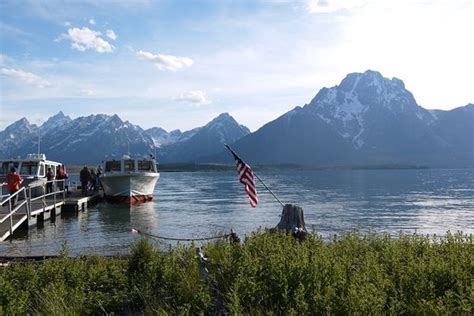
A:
(39, 140)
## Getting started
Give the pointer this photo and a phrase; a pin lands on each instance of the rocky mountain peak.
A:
(372, 83)
(56, 122)
(21, 124)
(115, 119)
(359, 98)
(221, 118)
(156, 131)
(226, 124)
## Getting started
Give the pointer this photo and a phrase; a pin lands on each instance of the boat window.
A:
(112, 166)
(29, 168)
(145, 165)
(41, 170)
(129, 165)
(5, 167)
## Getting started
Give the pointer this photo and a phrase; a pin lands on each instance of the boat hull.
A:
(131, 188)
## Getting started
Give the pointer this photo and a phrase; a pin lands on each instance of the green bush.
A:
(269, 273)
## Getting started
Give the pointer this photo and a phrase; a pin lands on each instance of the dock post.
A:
(27, 204)
(11, 218)
(29, 200)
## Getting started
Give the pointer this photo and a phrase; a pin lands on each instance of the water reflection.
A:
(145, 216)
(113, 216)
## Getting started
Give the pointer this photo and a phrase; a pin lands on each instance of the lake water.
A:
(200, 204)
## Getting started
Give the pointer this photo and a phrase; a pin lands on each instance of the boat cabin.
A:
(127, 164)
(33, 167)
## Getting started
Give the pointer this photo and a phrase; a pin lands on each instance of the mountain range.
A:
(100, 137)
(366, 120)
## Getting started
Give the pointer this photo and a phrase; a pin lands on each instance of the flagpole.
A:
(233, 153)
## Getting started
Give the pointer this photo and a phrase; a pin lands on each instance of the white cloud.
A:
(84, 38)
(111, 34)
(328, 6)
(27, 77)
(92, 21)
(197, 97)
(168, 62)
(67, 24)
(2, 58)
(88, 92)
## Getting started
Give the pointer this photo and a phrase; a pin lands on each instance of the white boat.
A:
(32, 169)
(129, 180)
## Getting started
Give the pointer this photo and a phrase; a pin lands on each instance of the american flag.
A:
(246, 178)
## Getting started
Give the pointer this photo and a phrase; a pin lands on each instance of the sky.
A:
(178, 64)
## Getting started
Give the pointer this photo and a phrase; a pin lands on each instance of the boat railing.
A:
(12, 208)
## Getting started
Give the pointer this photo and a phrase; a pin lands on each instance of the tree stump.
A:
(292, 220)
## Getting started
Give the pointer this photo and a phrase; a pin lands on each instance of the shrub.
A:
(269, 273)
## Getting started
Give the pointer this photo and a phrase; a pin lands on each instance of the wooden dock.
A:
(29, 211)
(75, 202)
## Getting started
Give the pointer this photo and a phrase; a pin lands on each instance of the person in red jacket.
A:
(13, 183)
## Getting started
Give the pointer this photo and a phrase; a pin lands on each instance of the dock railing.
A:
(2, 189)
(57, 188)
(13, 209)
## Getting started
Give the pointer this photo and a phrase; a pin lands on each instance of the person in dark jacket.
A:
(93, 180)
(85, 177)
(49, 179)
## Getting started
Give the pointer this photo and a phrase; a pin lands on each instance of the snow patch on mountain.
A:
(343, 110)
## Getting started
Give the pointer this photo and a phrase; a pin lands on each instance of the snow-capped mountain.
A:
(85, 139)
(16, 136)
(95, 138)
(98, 137)
(161, 137)
(55, 122)
(352, 106)
(365, 120)
(205, 140)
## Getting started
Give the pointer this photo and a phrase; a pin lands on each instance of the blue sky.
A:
(178, 64)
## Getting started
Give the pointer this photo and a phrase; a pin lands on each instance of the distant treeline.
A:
(177, 167)
(268, 273)
(194, 167)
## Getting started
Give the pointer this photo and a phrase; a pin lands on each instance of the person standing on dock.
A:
(13, 184)
(49, 179)
(93, 185)
(85, 177)
(99, 173)
(62, 175)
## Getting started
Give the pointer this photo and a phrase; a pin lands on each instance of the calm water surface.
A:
(199, 204)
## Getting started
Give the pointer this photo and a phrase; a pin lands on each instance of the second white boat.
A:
(129, 180)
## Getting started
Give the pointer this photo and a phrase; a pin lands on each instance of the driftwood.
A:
(292, 220)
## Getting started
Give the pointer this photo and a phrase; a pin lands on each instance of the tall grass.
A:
(267, 274)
